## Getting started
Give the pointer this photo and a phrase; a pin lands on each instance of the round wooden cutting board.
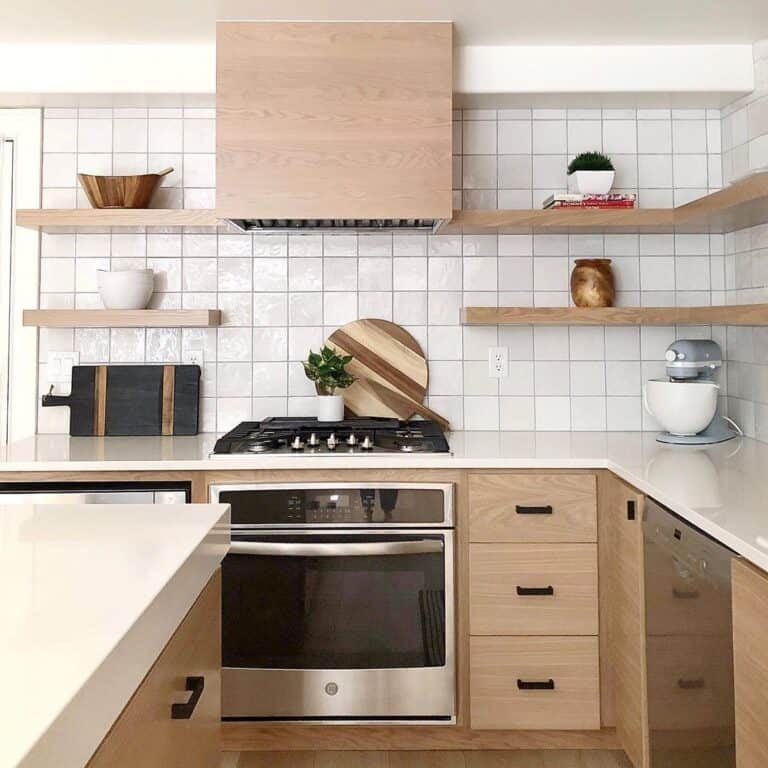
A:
(390, 369)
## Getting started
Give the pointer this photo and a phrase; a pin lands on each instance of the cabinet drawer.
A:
(688, 691)
(545, 508)
(505, 579)
(145, 734)
(534, 683)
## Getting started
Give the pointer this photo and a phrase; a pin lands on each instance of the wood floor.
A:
(471, 759)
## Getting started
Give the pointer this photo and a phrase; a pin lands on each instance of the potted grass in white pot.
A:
(591, 173)
(327, 370)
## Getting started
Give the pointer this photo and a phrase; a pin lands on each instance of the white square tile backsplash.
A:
(282, 295)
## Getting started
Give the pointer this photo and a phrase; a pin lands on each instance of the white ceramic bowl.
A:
(681, 407)
(592, 182)
(126, 288)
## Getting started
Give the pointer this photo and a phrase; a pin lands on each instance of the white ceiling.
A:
(478, 22)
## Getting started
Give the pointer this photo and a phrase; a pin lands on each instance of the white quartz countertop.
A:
(722, 489)
(89, 596)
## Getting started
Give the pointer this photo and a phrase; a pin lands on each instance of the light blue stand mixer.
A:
(686, 404)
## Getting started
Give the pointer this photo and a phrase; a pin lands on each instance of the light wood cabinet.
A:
(535, 683)
(750, 652)
(622, 616)
(533, 602)
(532, 508)
(324, 120)
(533, 589)
(145, 734)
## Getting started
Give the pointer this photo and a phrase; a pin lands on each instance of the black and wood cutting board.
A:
(132, 400)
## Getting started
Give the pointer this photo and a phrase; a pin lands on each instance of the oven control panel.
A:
(338, 505)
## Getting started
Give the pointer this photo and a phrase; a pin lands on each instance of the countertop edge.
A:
(73, 737)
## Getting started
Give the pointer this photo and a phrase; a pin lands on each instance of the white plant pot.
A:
(330, 407)
(592, 182)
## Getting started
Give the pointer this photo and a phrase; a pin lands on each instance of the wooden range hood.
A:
(334, 125)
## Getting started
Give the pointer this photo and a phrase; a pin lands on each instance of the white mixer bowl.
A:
(681, 407)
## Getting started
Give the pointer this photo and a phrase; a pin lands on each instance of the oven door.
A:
(339, 626)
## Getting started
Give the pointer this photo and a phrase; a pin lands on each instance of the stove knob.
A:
(313, 440)
(332, 442)
(351, 440)
(367, 444)
(297, 444)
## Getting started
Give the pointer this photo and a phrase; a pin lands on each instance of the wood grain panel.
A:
(750, 657)
(100, 401)
(122, 318)
(321, 120)
(561, 221)
(145, 735)
(169, 381)
(493, 499)
(498, 663)
(733, 314)
(497, 570)
(279, 737)
(523, 758)
(623, 613)
(52, 218)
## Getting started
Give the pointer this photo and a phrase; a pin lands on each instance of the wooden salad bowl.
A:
(121, 191)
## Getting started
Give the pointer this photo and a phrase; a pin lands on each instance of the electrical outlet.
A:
(193, 357)
(498, 362)
(60, 367)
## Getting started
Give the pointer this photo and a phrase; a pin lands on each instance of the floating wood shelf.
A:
(50, 218)
(122, 318)
(732, 314)
(743, 204)
(561, 221)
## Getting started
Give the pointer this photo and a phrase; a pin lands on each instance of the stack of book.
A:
(572, 200)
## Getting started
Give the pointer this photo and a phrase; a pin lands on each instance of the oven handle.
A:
(335, 548)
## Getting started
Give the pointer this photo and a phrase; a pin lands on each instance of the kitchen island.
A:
(91, 596)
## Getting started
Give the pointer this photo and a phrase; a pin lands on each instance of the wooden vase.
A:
(592, 283)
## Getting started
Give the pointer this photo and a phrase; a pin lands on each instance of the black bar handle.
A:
(689, 685)
(681, 594)
(523, 510)
(536, 685)
(536, 590)
(52, 400)
(184, 711)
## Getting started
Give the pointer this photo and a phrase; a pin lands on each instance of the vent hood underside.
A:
(337, 225)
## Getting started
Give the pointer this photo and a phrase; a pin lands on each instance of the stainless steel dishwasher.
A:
(689, 644)
(95, 493)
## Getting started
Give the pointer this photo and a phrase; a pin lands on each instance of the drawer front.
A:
(533, 589)
(534, 683)
(690, 682)
(543, 508)
(145, 734)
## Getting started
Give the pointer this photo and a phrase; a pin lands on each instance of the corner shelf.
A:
(732, 314)
(53, 218)
(122, 318)
(742, 204)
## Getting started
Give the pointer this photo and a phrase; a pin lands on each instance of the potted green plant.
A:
(592, 173)
(328, 370)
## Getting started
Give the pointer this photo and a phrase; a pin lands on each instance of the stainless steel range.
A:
(338, 602)
(353, 437)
